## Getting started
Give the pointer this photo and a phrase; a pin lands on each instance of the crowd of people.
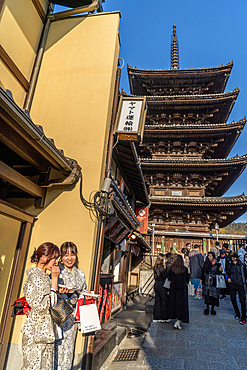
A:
(45, 345)
(220, 273)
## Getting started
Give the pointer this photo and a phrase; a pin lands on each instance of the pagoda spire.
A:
(174, 50)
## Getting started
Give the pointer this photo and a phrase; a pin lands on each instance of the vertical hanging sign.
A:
(131, 118)
(142, 215)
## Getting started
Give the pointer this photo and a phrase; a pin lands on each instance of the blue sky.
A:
(210, 33)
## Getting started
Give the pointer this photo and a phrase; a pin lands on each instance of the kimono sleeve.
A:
(37, 295)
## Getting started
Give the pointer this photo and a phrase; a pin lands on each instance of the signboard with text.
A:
(131, 118)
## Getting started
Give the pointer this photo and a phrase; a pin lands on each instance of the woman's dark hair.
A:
(177, 266)
(65, 246)
(213, 254)
(47, 249)
(159, 261)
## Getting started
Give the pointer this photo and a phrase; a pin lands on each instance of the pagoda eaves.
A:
(201, 80)
(224, 210)
(212, 140)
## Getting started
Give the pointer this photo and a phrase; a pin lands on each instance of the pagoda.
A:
(184, 154)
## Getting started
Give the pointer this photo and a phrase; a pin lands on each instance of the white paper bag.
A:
(89, 318)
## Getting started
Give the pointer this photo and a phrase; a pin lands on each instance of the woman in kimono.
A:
(38, 334)
(72, 284)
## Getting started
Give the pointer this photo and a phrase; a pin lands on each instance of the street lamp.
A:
(216, 226)
(153, 226)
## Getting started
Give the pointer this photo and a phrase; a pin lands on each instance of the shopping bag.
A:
(81, 302)
(167, 284)
(220, 282)
(199, 292)
(191, 289)
(89, 318)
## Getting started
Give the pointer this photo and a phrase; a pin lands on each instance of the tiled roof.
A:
(196, 161)
(177, 71)
(197, 201)
(36, 132)
(199, 126)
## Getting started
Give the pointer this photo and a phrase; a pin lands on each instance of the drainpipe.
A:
(36, 69)
(101, 225)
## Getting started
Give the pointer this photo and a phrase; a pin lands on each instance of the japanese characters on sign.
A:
(131, 116)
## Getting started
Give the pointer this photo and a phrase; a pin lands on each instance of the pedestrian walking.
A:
(241, 253)
(72, 285)
(196, 263)
(223, 260)
(245, 262)
(211, 269)
(216, 249)
(178, 307)
(236, 277)
(38, 334)
(161, 296)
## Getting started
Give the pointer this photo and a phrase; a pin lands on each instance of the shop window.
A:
(9, 230)
(107, 265)
(117, 264)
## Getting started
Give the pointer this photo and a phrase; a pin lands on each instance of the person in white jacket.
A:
(241, 253)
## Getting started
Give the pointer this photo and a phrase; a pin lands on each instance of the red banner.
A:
(142, 215)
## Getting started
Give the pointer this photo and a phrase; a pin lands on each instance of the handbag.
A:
(89, 318)
(167, 284)
(81, 302)
(199, 292)
(220, 282)
(20, 307)
(61, 310)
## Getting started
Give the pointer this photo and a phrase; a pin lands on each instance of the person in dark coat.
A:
(211, 268)
(236, 277)
(196, 261)
(223, 260)
(160, 304)
(178, 307)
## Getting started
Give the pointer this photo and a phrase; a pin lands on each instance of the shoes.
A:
(223, 298)
(213, 312)
(177, 325)
(242, 322)
(168, 320)
(237, 317)
(206, 311)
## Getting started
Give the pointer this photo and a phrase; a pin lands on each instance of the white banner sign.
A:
(130, 116)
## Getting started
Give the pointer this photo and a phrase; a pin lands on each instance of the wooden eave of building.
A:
(230, 168)
(128, 161)
(123, 207)
(229, 131)
(142, 243)
(217, 76)
(232, 207)
(219, 104)
(27, 152)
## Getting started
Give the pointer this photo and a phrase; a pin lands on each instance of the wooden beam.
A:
(39, 9)
(13, 69)
(21, 147)
(21, 182)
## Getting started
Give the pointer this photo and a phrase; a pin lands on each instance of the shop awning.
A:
(127, 159)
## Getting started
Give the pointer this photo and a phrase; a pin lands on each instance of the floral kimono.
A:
(38, 334)
(64, 348)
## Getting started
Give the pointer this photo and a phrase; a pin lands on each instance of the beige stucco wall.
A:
(73, 102)
(20, 31)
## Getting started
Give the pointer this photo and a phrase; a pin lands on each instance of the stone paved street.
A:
(208, 342)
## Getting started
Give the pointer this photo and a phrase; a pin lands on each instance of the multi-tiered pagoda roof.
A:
(186, 143)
